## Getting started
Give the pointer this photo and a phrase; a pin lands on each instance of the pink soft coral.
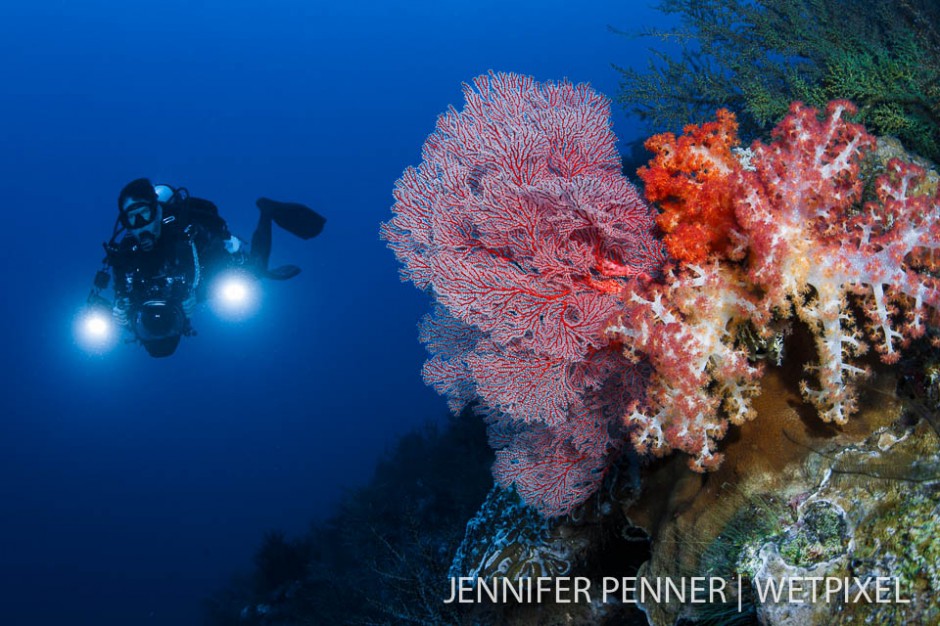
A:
(687, 329)
(811, 244)
(804, 244)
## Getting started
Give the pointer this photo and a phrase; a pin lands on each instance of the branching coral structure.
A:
(804, 244)
(692, 179)
(812, 246)
(522, 227)
(687, 328)
(552, 310)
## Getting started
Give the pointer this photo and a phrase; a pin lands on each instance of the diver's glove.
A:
(237, 250)
(234, 245)
(119, 311)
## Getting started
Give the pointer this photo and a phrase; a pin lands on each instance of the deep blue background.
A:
(131, 487)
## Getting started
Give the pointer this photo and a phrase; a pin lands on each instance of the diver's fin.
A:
(295, 218)
(282, 273)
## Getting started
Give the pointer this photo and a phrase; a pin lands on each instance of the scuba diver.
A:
(173, 244)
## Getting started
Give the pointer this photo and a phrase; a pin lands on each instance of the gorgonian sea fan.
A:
(521, 225)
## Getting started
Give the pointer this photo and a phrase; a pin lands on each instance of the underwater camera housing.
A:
(159, 325)
(157, 318)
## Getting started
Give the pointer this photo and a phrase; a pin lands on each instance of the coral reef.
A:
(551, 309)
(558, 321)
(796, 497)
(508, 539)
(805, 246)
(872, 514)
(687, 328)
(691, 179)
(520, 224)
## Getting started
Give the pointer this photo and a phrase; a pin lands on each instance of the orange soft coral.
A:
(691, 179)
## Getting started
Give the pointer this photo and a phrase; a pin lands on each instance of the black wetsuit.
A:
(192, 230)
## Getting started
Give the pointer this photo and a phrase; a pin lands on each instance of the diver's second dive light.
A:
(95, 330)
(235, 295)
(97, 327)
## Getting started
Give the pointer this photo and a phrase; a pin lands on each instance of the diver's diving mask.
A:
(139, 214)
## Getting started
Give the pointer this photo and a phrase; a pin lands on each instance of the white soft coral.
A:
(804, 244)
(687, 329)
(811, 247)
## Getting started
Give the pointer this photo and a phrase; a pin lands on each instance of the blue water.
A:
(132, 487)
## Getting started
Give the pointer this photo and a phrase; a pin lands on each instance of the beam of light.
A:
(235, 295)
(95, 331)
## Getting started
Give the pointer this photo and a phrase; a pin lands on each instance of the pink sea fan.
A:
(521, 225)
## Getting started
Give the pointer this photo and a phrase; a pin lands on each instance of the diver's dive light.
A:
(235, 295)
(97, 327)
(95, 330)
